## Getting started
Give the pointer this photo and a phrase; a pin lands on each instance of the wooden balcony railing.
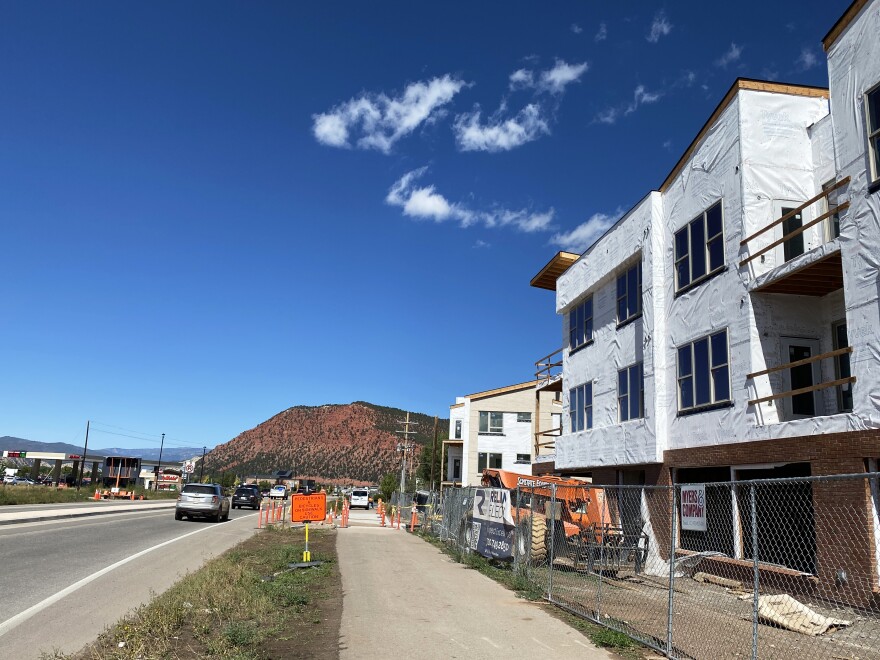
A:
(799, 363)
(553, 433)
(549, 367)
(800, 230)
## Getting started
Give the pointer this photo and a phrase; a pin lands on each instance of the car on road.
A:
(278, 492)
(360, 497)
(20, 481)
(202, 501)
(247, 496)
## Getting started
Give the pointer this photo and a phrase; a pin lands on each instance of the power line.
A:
(142, 436)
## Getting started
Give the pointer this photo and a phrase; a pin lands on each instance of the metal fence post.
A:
(672, 543)
(552, 548)
(757, 578)
(600, 534)
(517, 534)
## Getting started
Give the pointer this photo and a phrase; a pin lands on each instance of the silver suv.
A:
(202, 500)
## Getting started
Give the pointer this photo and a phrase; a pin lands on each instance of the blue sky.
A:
(210, 212)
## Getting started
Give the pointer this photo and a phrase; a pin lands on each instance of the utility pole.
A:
(159, 466)
(202, 468)
(83, 463)
(404, 447)
(433, 453)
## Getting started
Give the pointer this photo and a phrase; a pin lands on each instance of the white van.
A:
(360, 497)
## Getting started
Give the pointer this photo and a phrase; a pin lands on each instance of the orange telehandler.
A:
(584, 528)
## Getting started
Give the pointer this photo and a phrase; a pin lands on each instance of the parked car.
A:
(360, 497)
(278, 492)
(247, 496)
(202, 501)
(21, 481)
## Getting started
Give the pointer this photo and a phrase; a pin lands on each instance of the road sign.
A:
(189, 467)
(308, 508)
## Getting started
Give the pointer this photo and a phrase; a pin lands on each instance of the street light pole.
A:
(83, 464)
(159, 466)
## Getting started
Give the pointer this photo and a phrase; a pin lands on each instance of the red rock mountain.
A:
(332, 443)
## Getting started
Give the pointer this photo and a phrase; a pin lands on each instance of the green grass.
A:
(504, 573)
(49, 495)
(229, 606)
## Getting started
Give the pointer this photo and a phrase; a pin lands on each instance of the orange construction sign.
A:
(308, 508)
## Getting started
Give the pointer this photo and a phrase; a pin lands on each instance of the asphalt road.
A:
(61, 582)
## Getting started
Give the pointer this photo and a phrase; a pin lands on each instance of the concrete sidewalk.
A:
(13, 514)
(404, 598)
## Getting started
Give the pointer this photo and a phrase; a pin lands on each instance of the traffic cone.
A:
(97, 495)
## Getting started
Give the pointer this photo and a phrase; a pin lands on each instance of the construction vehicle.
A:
(578, 523)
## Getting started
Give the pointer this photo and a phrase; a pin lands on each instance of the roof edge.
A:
(842, 23)
(502, 390)
(739, 84)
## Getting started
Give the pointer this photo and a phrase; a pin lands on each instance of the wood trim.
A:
(842, 23)
(796, 232)
(547, 276)
(502, 390)
(546, 444)
(549, 431)
(804, 390)
(456, 405)
(800, 208)
(798, 363)
(739, 84)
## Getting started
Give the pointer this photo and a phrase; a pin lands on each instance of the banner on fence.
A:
(492, 527)
(693, 507)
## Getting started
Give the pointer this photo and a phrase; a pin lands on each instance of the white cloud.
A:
(732, 55)
(481, 244)
(608, 116)
(521, 79)
(377, 121)
(555, 80)
(640, 97)
(499, 134)
(602, 34)
(660, 27)
(425, 203)
(577, 29)
(807, 59)
(585, 234)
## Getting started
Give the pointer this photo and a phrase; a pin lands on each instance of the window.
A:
(703, 372)
(580, 407)
(491, 422)
(492, 461)
(458, 429)
(842, 368)
(629, 294)
(872, 107)
(699, 248)
(456, 468)
(794, 246)
(630, 393)
(523, 458)
(580, 324)
(524, 417)
(832, 223)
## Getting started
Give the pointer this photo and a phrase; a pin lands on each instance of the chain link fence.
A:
(777, 568)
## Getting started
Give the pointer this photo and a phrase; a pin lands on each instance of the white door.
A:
(808, 404)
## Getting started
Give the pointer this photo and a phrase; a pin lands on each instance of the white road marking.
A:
(489, 641)
(18, 529)
(21, 617)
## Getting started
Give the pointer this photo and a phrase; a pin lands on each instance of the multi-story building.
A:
(727, 327)
(494, 429)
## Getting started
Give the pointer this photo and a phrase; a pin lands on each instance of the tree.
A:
(424, 471)
(389, 485)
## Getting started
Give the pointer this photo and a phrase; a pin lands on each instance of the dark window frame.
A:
(580, 324)
(634, 377)
(630, 294)
(706, 241)
(490, 429)
(842, 367)
(580, 407)
(714, 365)
(872, 131)
(491, 460)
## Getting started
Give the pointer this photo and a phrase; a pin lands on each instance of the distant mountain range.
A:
(348, 443)
(170, 454)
